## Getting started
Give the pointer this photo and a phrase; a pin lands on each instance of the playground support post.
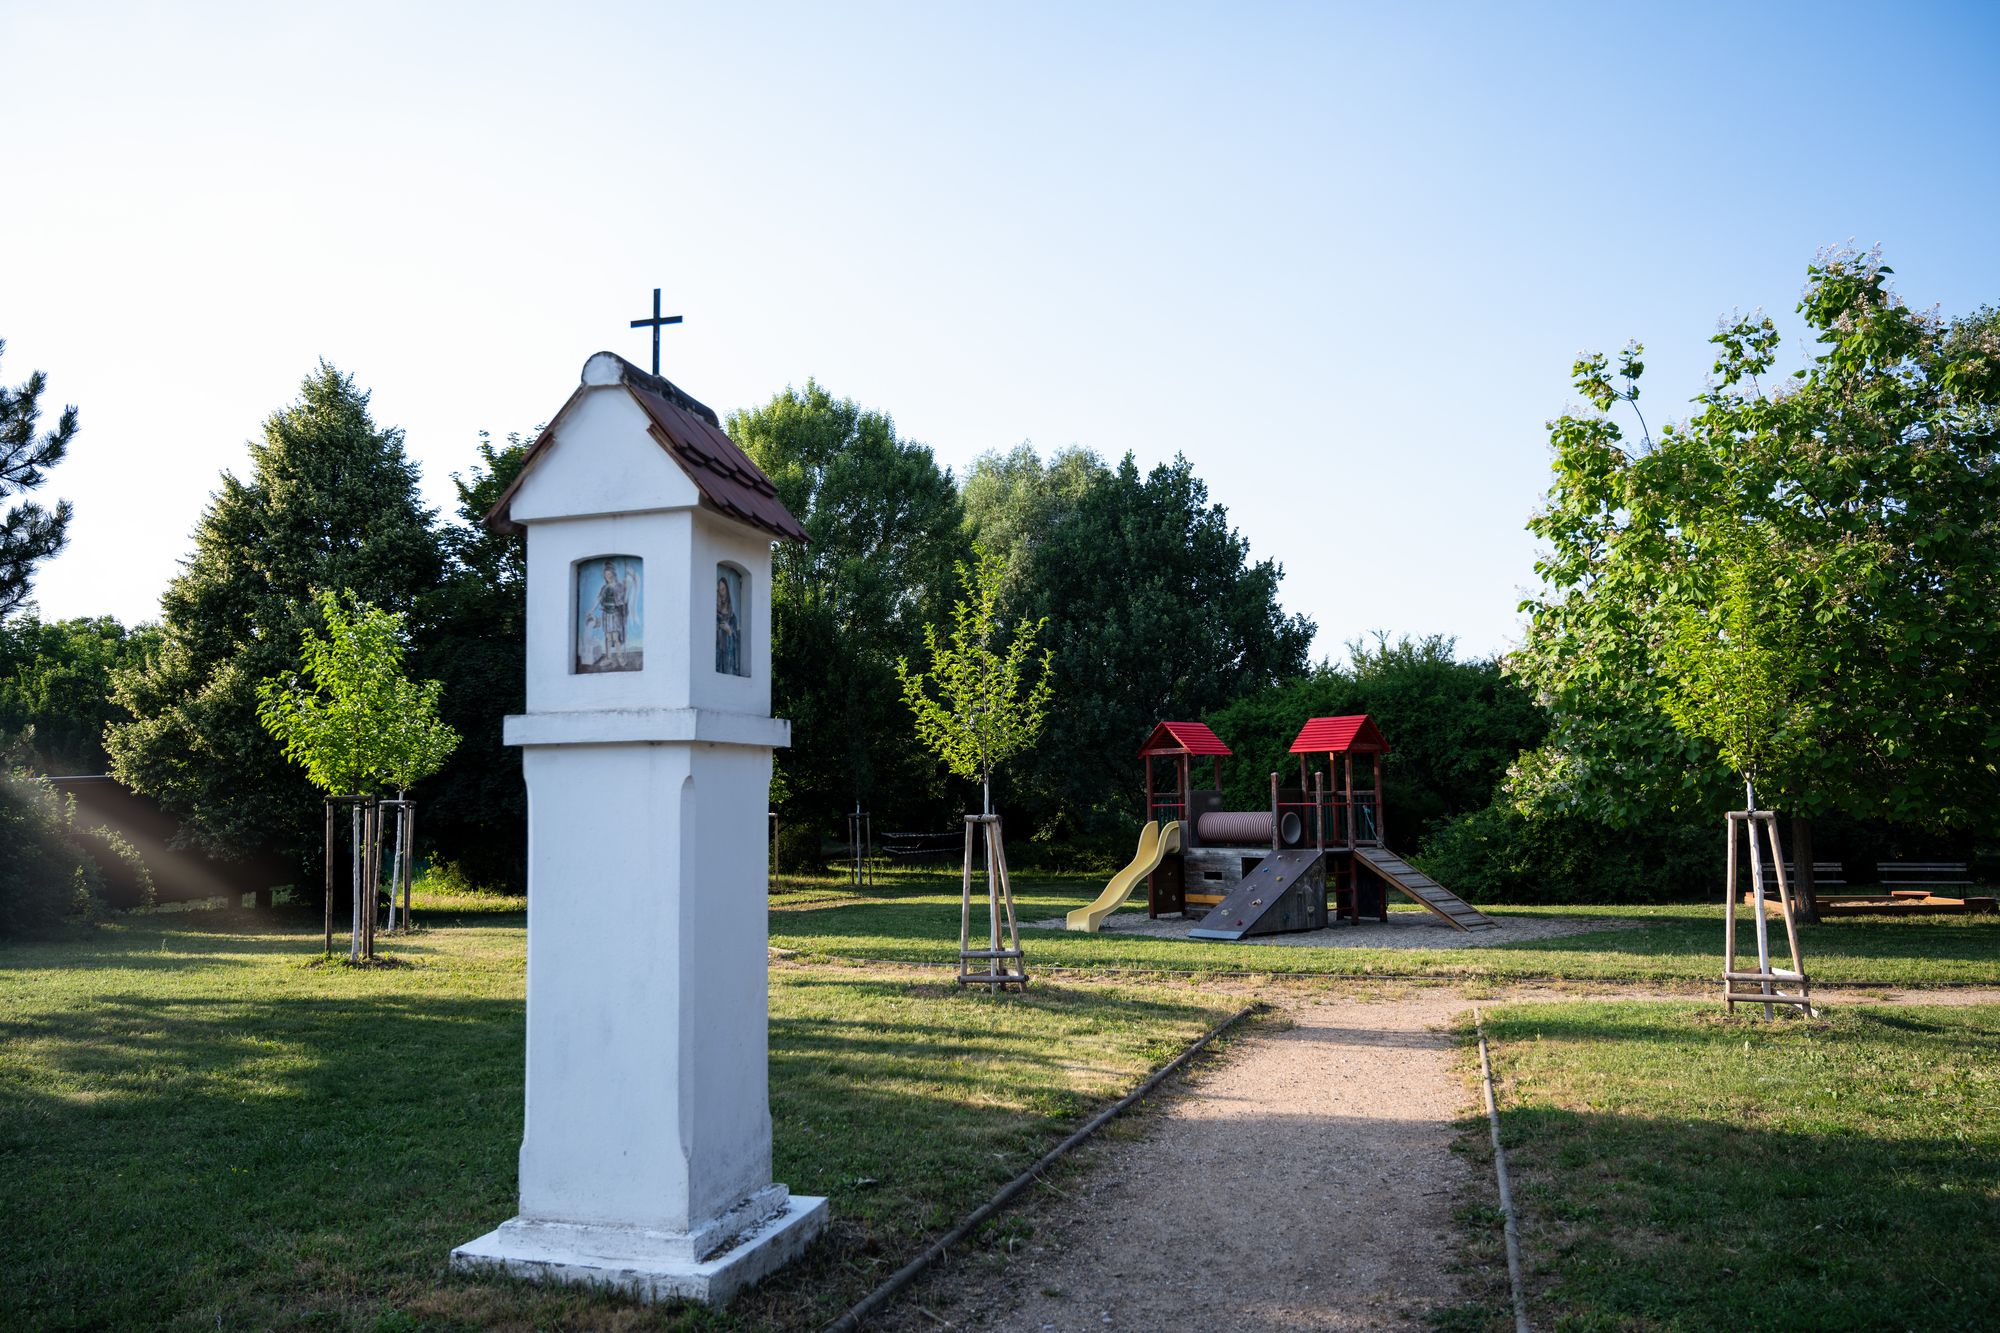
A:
(1381, 826)
(1347, 762)
(1275, 841)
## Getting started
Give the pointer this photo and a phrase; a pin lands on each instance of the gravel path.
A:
(1306, 1182)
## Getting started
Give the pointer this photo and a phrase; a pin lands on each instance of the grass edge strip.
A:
(1508, 1227)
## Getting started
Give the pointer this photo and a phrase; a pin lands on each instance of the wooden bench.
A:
(1908, 888)
(1922, 874)
(1826, 875)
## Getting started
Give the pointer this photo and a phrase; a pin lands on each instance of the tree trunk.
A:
(1805, 896)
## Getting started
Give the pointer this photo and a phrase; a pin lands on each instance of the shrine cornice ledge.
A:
(638, 726)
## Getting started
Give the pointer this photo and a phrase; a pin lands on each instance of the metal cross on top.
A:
(654, 323)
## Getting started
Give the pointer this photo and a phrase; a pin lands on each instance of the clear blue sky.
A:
(1339, 256)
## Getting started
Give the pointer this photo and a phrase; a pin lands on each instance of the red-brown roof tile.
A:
(1339, 735)
(1183, 738)
(729, 483)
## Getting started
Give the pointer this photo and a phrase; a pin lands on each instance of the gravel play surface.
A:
(1403, 930)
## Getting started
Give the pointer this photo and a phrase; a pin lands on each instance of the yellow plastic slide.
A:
(1154, 843)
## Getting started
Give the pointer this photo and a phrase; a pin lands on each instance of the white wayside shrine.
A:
(647, 740)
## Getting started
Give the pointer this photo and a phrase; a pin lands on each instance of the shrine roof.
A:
(1182, 738)
(691, 433)
(1353, 733)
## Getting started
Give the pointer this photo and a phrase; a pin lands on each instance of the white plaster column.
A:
(646, 1154)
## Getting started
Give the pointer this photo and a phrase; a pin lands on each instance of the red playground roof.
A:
(1182, 738)
(1353, 734)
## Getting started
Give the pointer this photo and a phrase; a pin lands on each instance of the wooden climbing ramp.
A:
(1414, 883)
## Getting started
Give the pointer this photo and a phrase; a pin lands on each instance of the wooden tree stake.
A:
(1003, 966)
(1766, 977)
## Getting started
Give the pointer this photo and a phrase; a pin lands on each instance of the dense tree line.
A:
(1453, 728)
(330, 503)
(1152, 603)
(1841, 536)
(55, 686)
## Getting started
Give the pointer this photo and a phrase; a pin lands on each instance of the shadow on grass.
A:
(242, 1160)
(1699, 1224)
(178, 941)
(185, 1148)
(1678, 1170)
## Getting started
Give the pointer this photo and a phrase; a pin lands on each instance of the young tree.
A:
(331, 501)
(28, 532)
(984, 712)
(352, 720)
(1803, 580)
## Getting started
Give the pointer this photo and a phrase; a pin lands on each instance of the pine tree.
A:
(331, 503)
(28, 532)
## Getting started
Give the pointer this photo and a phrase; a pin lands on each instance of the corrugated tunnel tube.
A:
(1231, 828)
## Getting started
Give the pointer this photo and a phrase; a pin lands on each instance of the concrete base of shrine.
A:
(647, 1265)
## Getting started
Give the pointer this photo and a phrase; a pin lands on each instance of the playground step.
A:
(1421, 888)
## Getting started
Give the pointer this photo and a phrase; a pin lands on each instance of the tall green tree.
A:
(330, 502)
(475, 812)
(29, 533)
(55, 685)
(1013, 500)
(885, 533)
(1803, 579)
(1155, 610)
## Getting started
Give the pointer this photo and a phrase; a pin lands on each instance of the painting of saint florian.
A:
(610, 626)
(729, 622)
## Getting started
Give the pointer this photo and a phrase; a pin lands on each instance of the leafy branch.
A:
(984, 710)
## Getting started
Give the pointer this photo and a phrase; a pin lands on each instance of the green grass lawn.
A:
(199, 1128)
(913, 918)
(1677, 1169)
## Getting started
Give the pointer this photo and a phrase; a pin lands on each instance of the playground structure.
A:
(1315, 855)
